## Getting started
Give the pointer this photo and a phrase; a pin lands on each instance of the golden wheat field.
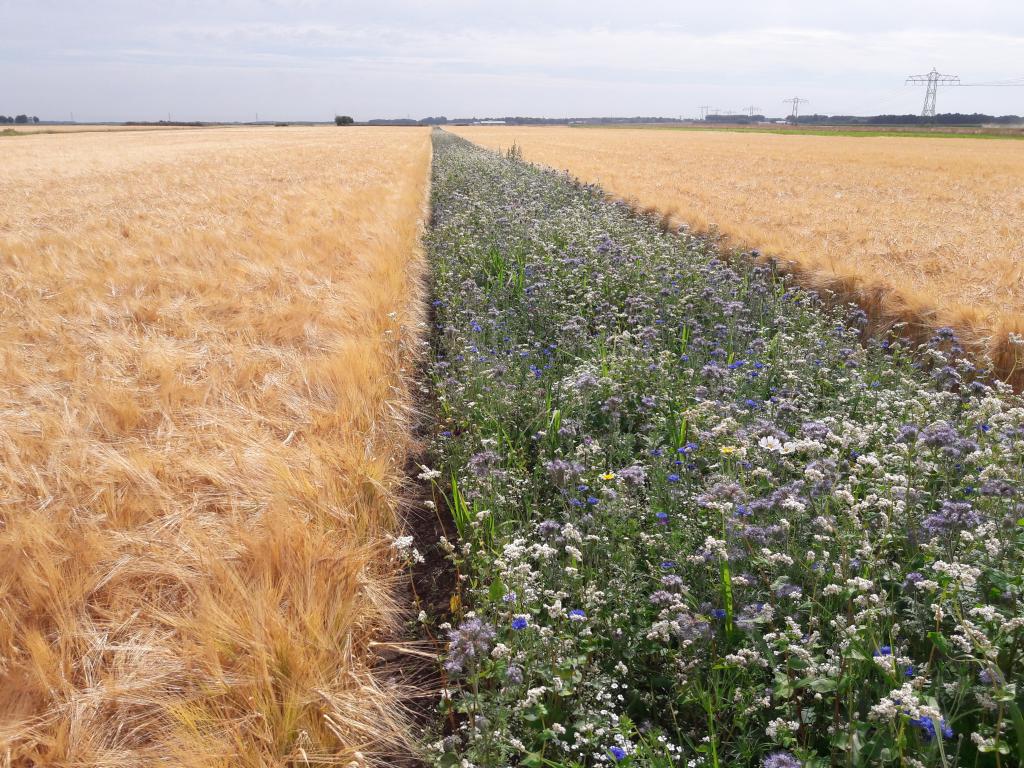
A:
(203, 426)
(929, 231)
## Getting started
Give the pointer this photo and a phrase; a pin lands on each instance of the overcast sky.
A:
(310, 59)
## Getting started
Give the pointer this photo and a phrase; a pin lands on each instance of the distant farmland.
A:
(203, 430)
(919, 229)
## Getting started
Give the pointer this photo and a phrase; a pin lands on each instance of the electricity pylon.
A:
(932, 80)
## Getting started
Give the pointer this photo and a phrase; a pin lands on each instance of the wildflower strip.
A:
(700, 522)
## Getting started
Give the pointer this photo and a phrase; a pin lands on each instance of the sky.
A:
(114, 60)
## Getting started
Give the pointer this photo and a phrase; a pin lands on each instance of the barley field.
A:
(204, 411)
(23, 130)
(915, 229)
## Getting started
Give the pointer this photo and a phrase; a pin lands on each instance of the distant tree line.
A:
(343, 120)
(175, 123)
(18, 120)
(947, 118)
(742, 119)
(951, 118)
(520, 120)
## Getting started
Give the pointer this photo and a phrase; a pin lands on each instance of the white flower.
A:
(428, 473)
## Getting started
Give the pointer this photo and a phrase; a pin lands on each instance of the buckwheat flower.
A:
(499, 651)
(789, 590)
(428, 473)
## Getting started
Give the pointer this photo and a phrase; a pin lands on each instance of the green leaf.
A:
(1018, 726)
(497, 590)
(822, 684)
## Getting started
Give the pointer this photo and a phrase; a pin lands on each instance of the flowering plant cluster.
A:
(701, 521)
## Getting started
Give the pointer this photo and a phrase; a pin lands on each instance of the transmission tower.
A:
(704, 110)
(796, 101)
(752, 110)
(932, 80)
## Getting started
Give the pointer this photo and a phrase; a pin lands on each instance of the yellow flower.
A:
(608, 476)
(725, 450)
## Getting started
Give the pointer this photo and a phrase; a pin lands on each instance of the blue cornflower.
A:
(673, 478)
(475, 326)
(662, 518)
(885, 650)
(668, 564)
(618, 753)
(519, 622)
(718, 613)
(927, 725)
(592, 500)
(577, 614)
